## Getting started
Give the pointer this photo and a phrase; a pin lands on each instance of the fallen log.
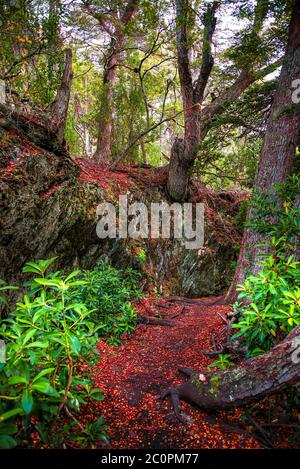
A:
(256, 378)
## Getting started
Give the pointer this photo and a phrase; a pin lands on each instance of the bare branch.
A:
(141, 135)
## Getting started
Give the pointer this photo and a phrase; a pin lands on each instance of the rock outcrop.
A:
(48, 208)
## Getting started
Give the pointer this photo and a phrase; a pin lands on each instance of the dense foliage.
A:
(50, 334)
(271, 299)
(146, 100)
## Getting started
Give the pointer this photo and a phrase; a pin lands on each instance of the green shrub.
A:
(48, 336)
(274, 308)
(271, 299)
(109, 293)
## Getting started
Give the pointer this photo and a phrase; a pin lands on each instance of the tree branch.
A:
(233, 92)
(141, 135)
(209, 22)
(185, 76)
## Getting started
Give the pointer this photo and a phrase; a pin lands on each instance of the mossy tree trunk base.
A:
(251, 381)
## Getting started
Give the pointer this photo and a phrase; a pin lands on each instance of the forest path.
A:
(133, 375)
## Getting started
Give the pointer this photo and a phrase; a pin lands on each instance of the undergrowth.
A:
(270, 306)
(48, 336)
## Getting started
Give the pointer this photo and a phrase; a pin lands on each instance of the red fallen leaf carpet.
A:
(133, 375)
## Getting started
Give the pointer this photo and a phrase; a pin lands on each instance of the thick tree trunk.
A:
(263, 375)
(178, 171)
(184, 151)
(278, 152)
(59, 108)
(197, 123)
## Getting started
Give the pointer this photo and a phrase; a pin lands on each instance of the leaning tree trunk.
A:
(263, 375)
(59, 108)
(278, 152)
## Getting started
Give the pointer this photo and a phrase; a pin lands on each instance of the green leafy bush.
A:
(271, 299)
(48, 336)
(274, 308)
(109, 292)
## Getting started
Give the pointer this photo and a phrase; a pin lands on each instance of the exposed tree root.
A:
(154, 321)
(190, 301)
(266, 374)
(181, 311)
(232, 347)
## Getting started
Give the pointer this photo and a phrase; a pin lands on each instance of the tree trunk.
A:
(104, 141)
(263, 375)
(184, 151)
(278, 152)
(59, 108)
(55, 53)
(178, 172)
(198, 122)
(103, 151)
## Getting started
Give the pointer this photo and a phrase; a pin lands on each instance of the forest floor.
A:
(134, 374)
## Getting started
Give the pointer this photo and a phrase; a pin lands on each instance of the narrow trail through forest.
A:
(134, 374)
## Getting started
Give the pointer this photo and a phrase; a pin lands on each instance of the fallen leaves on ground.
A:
(134, 374)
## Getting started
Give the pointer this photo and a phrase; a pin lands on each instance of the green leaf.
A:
(8, 429)
(27, 401)
(29, 335)
(11, 413)
(7, 442)
(38, 344)
(38, 267)
(254, 306)
(41, 386)
(72, 275)
(47, 282)
(97, 395)
(75, 345)
(18, 380)
(43, 373)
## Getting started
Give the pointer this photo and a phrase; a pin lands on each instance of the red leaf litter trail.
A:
(133, 375)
